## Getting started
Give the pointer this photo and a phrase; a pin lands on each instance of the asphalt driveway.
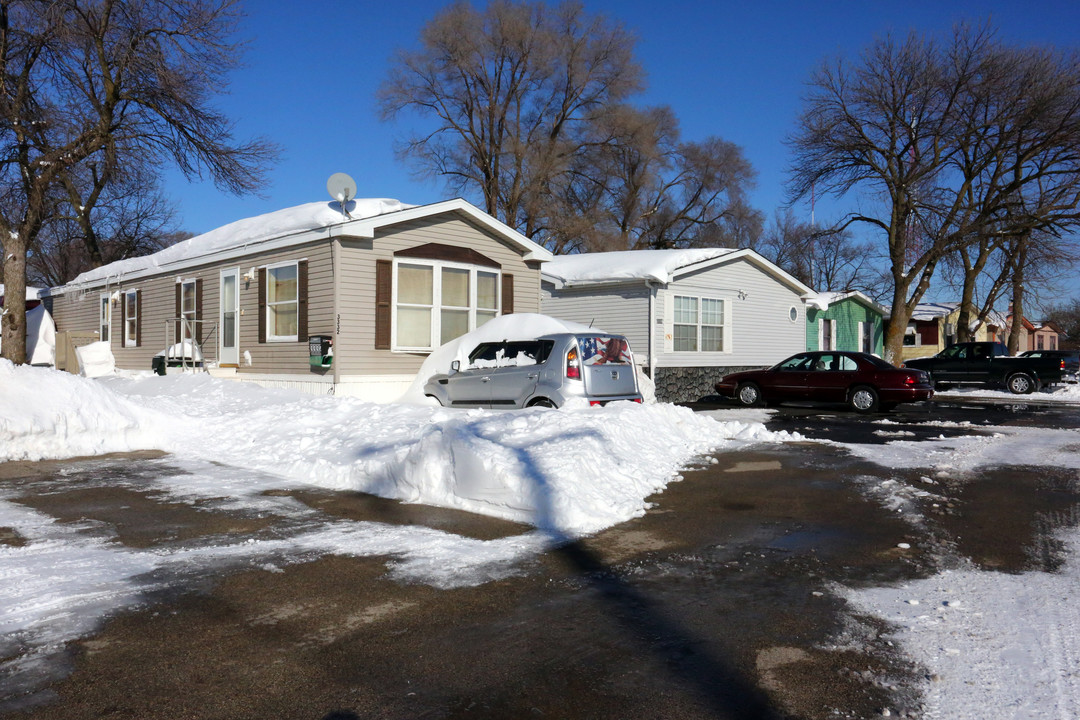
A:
(716, 604)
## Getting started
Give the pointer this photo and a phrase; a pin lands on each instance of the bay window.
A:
(436, 301)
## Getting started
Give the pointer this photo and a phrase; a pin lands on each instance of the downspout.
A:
(652, 329)
(335, 258)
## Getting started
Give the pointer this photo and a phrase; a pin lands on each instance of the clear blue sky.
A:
(733, 70)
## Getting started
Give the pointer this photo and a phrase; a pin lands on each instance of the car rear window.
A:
(604, 350)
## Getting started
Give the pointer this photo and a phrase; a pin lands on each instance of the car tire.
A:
(863, 399)
(748, 394)
(541, 403)
(1020, 383)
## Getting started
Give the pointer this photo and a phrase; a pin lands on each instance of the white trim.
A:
(821, 334)
(134, 340)
(435, 326)
(105, 323)
(366, 227)
(270, 337)
(725, 326)
(235, 273)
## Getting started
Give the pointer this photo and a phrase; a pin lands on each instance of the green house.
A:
(844, 321)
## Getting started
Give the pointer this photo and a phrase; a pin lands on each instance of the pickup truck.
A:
(988, 364)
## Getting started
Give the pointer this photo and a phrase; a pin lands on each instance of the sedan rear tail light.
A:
(573, 369)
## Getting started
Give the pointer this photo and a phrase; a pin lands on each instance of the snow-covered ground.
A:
(994, 645)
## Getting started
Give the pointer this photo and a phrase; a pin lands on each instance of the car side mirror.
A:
(455, 366)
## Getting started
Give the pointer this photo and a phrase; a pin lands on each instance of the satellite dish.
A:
(342, 188)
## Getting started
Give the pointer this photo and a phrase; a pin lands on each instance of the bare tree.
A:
(85, 79)
(955, 141)
(824, 259)
(530, 112)
(638, 186)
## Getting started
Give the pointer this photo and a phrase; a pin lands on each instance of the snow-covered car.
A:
(548, 371)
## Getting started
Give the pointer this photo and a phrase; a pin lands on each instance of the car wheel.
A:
(749, 394)
(863, 399)
(1020, 383)
(541, 402)
(435, 399)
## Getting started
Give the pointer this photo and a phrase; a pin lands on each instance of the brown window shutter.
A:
(507, 294)
(123, 319)
(301, 301)
(384, 277)
(138, 318)
(178, 333)
(262, 305)
(197, 331)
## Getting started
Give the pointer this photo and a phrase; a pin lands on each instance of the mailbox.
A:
(320, 350)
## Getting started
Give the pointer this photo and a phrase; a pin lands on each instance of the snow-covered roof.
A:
(661, 266)
(32, 293)
(294, 225)
(933, 311)
(822, 300)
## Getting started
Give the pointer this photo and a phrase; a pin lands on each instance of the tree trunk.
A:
(898, 321)
(1017, 324)
(13, 319)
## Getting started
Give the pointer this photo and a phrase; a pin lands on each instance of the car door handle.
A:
(533, 376)
(484, 379)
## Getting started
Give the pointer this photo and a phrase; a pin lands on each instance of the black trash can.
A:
(157, 364)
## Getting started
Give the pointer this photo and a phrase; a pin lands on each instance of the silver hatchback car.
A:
(545, 372)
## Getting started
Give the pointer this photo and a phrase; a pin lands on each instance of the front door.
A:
(229, 346)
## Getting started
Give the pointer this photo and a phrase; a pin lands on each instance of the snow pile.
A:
(571, 471)
(49, 414)
(96, 359)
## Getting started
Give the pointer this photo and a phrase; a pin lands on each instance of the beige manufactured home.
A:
(380, 283)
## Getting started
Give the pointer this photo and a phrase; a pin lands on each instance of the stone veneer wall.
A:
(689, 384)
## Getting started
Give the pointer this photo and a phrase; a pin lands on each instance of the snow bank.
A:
(571, 471)
(45, 413)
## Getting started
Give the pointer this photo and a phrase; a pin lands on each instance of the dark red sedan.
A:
(863, 381)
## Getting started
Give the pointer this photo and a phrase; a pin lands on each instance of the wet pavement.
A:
(719, 603)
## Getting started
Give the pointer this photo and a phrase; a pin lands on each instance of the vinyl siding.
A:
(757, 310)
(847, 313)
(77, 310)
(356, 334)
(616, 309)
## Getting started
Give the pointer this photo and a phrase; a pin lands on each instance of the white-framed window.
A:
(698, 324)
(188, 313)
(104, 317)
(826, 334)
(131, 318)
(436, 301)
(282, 302)
(866, 337)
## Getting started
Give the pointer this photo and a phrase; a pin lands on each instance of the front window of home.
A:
(439, 301)
(282, 302)
(698, 324)
(131, 318)
(104, 317)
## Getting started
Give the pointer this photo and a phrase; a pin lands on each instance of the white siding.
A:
(623, 310)
(757, 310)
